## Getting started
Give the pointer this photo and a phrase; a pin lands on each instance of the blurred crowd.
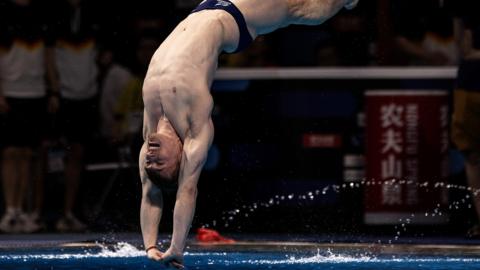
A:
(71, 74)
(62, 88)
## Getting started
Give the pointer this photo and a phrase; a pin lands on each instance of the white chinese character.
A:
(391, 194)
(391, 168)
(392, 115)
(392, 141)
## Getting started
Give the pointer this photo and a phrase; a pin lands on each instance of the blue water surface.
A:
(124, 256)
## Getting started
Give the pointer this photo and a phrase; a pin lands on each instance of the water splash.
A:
(227, 218)
(330, 258)
(120, 250)
(126, 256)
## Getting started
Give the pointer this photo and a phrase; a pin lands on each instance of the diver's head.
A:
(164, 153)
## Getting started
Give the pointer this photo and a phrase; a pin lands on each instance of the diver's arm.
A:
(150, 210)
(195, 150)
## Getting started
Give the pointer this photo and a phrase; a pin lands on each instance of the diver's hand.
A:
(171, 258)
(154, 254)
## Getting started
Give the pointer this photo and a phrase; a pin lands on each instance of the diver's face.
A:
(163, 156)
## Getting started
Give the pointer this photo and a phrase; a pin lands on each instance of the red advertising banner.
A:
(406, 154)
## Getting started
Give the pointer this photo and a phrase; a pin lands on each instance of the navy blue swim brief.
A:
(245, 37)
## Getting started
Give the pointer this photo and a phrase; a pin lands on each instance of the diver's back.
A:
(191, 50)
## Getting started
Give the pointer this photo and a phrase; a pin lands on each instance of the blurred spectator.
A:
(466, 115)
(424, 32)
(24, 62)
(129, 108)
(115, 80)
(121, 102)
(76, 48)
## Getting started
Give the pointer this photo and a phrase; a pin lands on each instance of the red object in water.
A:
(211, 236)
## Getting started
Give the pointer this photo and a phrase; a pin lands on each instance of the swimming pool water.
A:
(124, 256)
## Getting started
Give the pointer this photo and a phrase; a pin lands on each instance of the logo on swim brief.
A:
(223, 3)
